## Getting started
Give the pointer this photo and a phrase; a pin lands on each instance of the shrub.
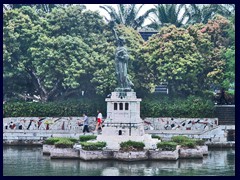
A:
(132, 146)
(87, 138)
(156, 137)
(51, 141)
(64, 143)
(200, 142)
(167, 146)
(73, 139)
(93, 146)
(189, 143)
(180, 139)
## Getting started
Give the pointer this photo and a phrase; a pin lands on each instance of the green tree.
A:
(172, 56)
(127, 14)
(191, 60)
(229, 75)
(51, 57)
(165, 14)
(201, 13)
(44, 7)
(61, 53)
(218, 30)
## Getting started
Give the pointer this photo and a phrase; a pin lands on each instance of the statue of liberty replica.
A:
(121, 64)
(123, 121)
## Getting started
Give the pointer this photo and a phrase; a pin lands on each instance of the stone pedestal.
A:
(123, 121)
(123, 115)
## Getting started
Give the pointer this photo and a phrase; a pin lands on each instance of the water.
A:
(29, 161)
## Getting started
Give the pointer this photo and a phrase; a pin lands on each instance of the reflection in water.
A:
(110, 171)
(29, 161)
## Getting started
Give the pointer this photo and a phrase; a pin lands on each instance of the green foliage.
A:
(199, 13)
(73, 140)
(166, 14)
(190, 107)
(68, 50)
(191, 60)
(229, 75)
(127, 14)
(93, 146)
(167, 146)
(180, 139)
(200, 142)
(54, 140)
(185, 141)
(171, 56)
(189, 143)
(132, 146)
(51, 141)
(156, 137)
(51, 109)
(87, 138)
(64, 143)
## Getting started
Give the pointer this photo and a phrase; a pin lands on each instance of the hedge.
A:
(54, 140)
(93, 146)
(191, 107)
(189, 143)
(156, 137)
(51, 141)
(180, 139)
(64, 143)
(87, 138)
(131, 146)
(167, 146)
(54, 109)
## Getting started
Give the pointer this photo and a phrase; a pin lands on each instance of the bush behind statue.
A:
(191, 107)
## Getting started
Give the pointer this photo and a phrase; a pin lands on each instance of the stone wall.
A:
(33, 130)
(72, 123)
(46, 123)
(182, 124)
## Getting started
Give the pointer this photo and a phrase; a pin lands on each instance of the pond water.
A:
(29, 161)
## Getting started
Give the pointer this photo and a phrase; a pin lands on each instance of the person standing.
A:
(99, 120)
(85, 123)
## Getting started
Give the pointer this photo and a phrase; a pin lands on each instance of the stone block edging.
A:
(164, 155)
(130, 155)
(47, 149)
(180, 152)
(190, 153)
(95, 155)
(65, 153)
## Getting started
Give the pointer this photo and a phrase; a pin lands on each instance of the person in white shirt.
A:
(99, 120)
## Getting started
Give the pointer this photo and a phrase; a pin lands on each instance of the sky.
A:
(95, 7)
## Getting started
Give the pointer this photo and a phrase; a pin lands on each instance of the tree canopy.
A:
(62, 52)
